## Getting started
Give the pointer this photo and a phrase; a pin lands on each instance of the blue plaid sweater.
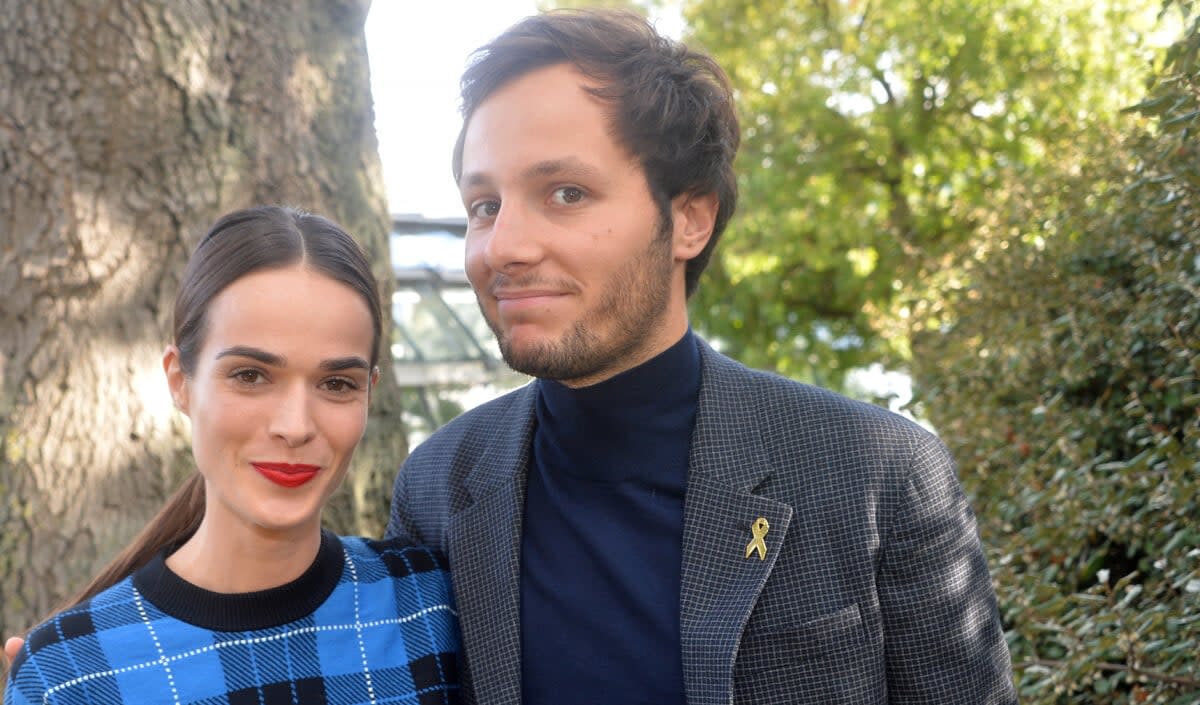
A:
(369, 622)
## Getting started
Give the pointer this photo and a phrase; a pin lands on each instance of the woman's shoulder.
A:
(400, 557)
(392, 582)
(397, 593)
(55, 646)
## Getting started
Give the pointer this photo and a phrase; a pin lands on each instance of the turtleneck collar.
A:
(673, 373)
(601, 431)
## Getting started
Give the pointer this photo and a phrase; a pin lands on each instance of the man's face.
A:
(573, 267)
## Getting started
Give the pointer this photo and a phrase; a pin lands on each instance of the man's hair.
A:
(671, 107)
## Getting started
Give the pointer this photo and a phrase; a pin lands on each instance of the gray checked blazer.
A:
(874, 588)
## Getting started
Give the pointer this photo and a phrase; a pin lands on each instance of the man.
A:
(651, 522)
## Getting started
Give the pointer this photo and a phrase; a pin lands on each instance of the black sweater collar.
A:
(245, 611)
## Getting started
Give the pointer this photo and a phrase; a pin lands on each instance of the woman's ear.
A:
(694, 216)
(374, 380)
(176, 379)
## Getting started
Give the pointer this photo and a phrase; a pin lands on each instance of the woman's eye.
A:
(339, 385)
(247, 376)
(567, 195)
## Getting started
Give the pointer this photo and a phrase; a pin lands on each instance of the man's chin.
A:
(545, 358)
(528, 359)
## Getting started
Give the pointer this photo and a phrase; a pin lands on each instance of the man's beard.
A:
(609, 334)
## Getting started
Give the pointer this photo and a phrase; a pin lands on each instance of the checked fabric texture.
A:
(874, 588)
(369, 622)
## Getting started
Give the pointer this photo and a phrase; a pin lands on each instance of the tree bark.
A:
(126, 128)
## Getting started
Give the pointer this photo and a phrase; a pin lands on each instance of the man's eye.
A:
(566, 195)
(485, 209)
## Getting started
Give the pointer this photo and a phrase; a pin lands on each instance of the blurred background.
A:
(984, 214)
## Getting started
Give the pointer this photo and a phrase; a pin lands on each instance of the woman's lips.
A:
(287, 474)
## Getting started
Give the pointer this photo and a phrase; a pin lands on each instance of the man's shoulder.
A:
(483, 443)
(777, 402)
(467, 436)
(826, 451)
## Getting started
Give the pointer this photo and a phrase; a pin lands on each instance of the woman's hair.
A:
(241, 243)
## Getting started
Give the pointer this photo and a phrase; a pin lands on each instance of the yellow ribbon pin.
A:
(759, 529)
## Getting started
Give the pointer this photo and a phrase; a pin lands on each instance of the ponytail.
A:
(175, 522)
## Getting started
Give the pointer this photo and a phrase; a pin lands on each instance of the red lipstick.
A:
(287, 474)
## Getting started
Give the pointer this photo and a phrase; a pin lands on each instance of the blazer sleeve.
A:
(942, 635)
(400, 524)
(421, 495)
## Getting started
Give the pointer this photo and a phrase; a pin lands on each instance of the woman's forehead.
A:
(290, 311)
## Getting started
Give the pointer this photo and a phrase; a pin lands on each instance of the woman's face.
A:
(277, 399)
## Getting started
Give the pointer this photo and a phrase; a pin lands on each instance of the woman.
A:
(233, 593)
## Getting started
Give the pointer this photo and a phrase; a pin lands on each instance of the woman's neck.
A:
(245, 559)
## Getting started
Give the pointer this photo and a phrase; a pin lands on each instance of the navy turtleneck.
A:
(601, 544)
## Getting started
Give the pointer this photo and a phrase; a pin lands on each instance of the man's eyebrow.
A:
(254, 354)
(567, 165)
(472, 180)
(573, 166)
(345, 363)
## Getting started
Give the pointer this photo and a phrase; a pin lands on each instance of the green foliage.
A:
(1067, 382)
(879, 137)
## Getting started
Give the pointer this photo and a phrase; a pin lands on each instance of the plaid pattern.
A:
(386, 634)
(874, 588)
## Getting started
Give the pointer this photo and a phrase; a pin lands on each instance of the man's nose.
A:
(514, 240)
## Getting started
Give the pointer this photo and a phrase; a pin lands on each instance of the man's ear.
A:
(694, 216)
(176, 379)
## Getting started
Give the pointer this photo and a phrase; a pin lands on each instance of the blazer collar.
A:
(508, 451)
(729, 464)
(484, 541)
(728, 417)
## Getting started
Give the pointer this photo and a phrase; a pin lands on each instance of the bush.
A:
(1067, 385)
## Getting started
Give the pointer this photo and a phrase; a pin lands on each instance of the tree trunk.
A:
(126, 128)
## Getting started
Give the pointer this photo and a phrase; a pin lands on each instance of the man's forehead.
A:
(544, 123)
(565, 74)
(523, 99)
(560, 81)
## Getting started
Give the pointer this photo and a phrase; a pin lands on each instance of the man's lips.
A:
(287, 474)
(524, 299)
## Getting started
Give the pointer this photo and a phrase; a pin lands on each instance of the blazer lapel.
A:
(484, 545)
(720, 583)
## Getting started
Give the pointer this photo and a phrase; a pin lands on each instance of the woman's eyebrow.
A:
(345, 363)
(262, 356)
